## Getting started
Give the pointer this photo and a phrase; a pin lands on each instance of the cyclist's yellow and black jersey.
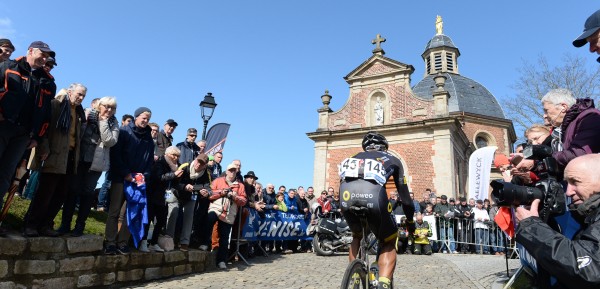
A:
(363, 177)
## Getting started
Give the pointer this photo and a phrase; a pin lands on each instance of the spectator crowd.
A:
(160, 195)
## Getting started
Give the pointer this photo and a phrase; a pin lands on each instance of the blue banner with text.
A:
(276, 225)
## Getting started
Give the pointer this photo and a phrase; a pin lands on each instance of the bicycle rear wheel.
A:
(355, 276)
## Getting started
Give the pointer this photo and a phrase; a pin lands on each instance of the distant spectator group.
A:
(463, 227)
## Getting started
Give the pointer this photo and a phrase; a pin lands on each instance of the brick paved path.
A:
(308, 271)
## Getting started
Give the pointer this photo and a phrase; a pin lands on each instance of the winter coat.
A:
(226, 208)
(162, 143)
(22, 99)
(189, 151)
(162, 177)
(133, 153)
(291, 203)
(98, 136)
(460, 211)
(269, 200)
(580, 132)
(281, 206)
(422, 229)
(56, 142)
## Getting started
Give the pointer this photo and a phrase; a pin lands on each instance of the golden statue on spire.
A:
(439, 25)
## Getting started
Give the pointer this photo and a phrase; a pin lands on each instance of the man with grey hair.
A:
(556, 103)
(575, 126)
(56, 158)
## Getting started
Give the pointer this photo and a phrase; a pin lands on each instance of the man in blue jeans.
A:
(443, 213)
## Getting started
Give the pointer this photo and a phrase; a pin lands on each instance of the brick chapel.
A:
(432, 127)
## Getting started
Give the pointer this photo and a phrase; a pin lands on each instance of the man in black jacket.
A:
(574, 263)
(24, 109)
(189, 149)
(165, 137)
(465, 232)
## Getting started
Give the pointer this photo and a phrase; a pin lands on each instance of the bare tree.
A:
(536, 79)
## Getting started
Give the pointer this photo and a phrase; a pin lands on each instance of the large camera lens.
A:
(507, 194)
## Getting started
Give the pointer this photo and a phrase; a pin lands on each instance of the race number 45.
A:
(349, 168)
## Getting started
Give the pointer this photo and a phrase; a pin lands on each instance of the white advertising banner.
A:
(480, 164)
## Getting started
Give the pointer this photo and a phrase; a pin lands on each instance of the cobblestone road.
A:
(306, 270)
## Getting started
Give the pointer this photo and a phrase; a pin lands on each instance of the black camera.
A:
(548, 189)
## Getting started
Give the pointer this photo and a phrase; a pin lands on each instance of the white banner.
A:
(432, 226)
(480, 165)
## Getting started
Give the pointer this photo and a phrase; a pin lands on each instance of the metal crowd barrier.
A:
(460, 235)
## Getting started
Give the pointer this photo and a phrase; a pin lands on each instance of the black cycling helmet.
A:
(374, 141)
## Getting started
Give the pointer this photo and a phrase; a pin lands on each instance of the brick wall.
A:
(402, 106)
(416, 156)
(472, 128)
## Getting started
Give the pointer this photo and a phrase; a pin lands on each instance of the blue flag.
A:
(215, 138)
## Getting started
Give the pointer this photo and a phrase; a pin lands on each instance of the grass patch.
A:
(95, 223)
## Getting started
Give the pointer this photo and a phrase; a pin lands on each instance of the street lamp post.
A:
(207, 107)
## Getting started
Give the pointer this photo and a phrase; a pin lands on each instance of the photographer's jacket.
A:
(575, 263)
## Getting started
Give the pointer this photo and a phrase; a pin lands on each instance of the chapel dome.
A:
(465, 95)
(438, 41)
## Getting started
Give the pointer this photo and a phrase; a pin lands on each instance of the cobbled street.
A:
(306, 270)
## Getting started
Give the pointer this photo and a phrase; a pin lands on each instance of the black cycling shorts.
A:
(362, 193)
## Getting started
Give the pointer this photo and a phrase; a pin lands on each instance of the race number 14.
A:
(374, 170)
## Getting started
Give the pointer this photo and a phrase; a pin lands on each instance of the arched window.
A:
(481, 141)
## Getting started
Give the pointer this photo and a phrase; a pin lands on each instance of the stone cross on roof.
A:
(377, 41)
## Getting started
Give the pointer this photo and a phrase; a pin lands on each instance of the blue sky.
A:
(268, 62)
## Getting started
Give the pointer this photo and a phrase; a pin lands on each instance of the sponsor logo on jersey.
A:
(346, 195)
(362, 196)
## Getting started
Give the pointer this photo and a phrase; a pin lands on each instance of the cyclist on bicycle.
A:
(363, 178)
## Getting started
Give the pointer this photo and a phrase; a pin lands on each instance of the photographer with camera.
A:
(575, 263)
(228, 194)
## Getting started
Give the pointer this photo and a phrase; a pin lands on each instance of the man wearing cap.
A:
(249, 182)
(200, 177)
(24, 109)
(189, 149)
(6, 49)
(165, 137)
(228, 194)
(133, 154)
(443, 212)
(591, 34)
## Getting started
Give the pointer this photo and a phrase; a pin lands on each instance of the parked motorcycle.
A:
(331, 233)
